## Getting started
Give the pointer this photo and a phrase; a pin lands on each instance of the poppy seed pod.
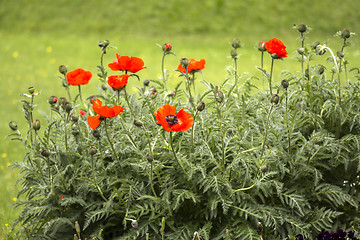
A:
(302, 28)
(52, 100)
(36, 125)
(201, 106)
(63, 69)
(31, 90)
(138, 123)
(184, 62)
(92, 150)
(45, 152)
(285, 83)
(275, 99)
(345, 33)
(236, 43)
(13, 125)
(233, 53)
(96, 133)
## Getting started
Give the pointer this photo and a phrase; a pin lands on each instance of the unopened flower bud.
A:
(13, 125)
(285, 83)
(345, 33)
(36, 125)
(275, 99)
(77, 227)
(62, 101)
(96, 133)
(74, 118)
(300, 51)
(307, 75)
(302, 28)
(63, 69)
(236, 43)
(340, 54)
(31, 90)
(315, 44)
(275, 56)
(261, 46)
(75, 130)
(320, 70)
(153, 93)
(201, 106)
(52, 100)
(92, 150)
(219, 96)
(170, 94)
(233, 53)
(106, 43)
(45, 152)
(167, 47)
(67, 107)
(103, 87)
(184, 62)
(149, 157)
(320, 51)
(138, 123)
(134, 223)
(146, 82)
(265, 168)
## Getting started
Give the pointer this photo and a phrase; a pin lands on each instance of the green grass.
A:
(36, 37)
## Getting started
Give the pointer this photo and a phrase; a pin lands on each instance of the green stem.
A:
(262, 59)
(65, 132)
(266, 132)
(287, 119)
(128, 103)
(271, 72)
(162, 70)
(302, 55)
(101, 156)
(94, 179)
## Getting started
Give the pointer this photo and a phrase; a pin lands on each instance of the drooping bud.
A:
(261, 46)
(300, 51)
(146, 82)
(13, 125)
(320, 51)
(219, 96)
(36, 125)
(302, 28)
(233, 53)
(236, 43)
(315, 44)
(201, 106)
(138, 123)
(96, 133)
(31, 90)
(134, 223)
(92, 150)
(184, 62)
(52, 100)
(45, 152)
(320, 70)
(275, 99)
(63, 69)
(340, 54)
(167, 47)
(345, 33)
(285, 83)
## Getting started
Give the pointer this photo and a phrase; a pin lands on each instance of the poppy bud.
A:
(36, 125)
(233, 53)
(236, 43)
(275, 99)
(149, 157)
(307, 73)
(63, 69)
(302, 28)
(52, 100)
(92, 150)
(134, 223)
(315, 44)
(275, 56)
(261, 46)
(184, 62)
(45, 152)
(285, 83)
(106, 43)
(77, 227)
(153, 93)
(67, 107)
(103, 87)
(62, 101)
(265, 168)
(219, 96)
(320, 70)
(345, 33)
(340, 54)
(320, 51)
(167, 47)
(201, 106)
(74, 118)
(146, 82)
(138, 123)
(75, 130)
(31, 90)
(96, 133)
(13, 125)
(300, 51)
(170, 94)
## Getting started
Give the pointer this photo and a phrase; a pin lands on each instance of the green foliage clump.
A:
(251, 165)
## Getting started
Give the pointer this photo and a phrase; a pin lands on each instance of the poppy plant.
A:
(126, 63)
(118, 82)
(78, 77)
(193, 66)
(103, 112)
(277, 47)
(171, 121)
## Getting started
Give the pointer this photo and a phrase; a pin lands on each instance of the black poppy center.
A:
(171, 119)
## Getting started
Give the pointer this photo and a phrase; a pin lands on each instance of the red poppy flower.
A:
(117, 82)
(166, 116)
(82, 112)
(78, 77)
(193, 65)
(126, 63)
(104, 112)
(276, 46)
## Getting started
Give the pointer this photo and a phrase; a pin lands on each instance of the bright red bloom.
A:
(78, 77)
(104, 112)
(117, 82)
(193, 65)
(82, 112)
(276, 46)
(166, 116)
(126, 63)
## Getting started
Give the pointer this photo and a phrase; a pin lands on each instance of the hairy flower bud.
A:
(45, 152)
(275, 99)
(261, 46)
(92, 150)
(345, 33)
(103, 87)
(146, 82)
(167, 47)
(153, 93)
(302, 28)
(184, 62)
(307, 74)
(236, 43)
(63, 69)
(31, 90)
(300, 51)
(219, 96)
(138, 123)
(96, 133)
(285, 83)
(265, 168)
(149, 157)
(233, 53)
(62, 101)
(340, 54)
(74, 118)
(52, 100)
(134, 223)
(36, 125)
(67, 107)
(13, 125)
(320, 70)
(315, 44)
(201, 106)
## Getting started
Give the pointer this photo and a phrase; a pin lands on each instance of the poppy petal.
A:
(94, 122)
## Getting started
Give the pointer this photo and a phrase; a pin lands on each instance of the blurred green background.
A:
(36, 36)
